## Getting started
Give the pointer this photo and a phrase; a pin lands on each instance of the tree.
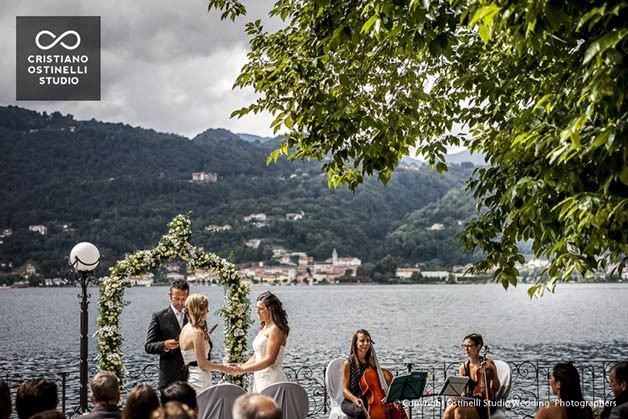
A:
(539, 85)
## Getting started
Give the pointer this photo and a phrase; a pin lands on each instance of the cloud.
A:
(166, 65)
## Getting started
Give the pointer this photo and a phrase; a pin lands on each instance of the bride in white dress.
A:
(195, 344)
(270, 343)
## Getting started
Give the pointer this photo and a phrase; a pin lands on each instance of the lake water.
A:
(419, 324)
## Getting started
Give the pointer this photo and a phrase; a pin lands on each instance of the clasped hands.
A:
(234, 369)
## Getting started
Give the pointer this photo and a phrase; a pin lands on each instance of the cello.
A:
(374, 384)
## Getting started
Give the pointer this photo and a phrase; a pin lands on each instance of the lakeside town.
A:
(297, 268)
(291, 267)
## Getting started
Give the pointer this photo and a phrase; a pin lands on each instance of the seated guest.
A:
(5, 400)
(140, 402)
(181, 392)
(173, 410)
(34, 396)
(476, 368)
(565, 384)
(618, 383)
(255, 406)
(48, 414)
(105, 396)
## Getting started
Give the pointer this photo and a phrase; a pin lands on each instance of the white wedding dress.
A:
(269, 375)
(197, 378)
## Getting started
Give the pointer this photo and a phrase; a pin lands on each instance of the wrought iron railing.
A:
(530, 386)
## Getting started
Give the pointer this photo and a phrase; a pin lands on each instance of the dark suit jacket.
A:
(618, 409)
(164, 326)
(107, 411)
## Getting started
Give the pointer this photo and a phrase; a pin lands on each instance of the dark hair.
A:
(354, 346)
(179, 391)
(34, 396)
(180, 284)
(173, 410)
(621, 372)
(140, 402)
(48, 414)
(105, 388)
(476, 338)
(5, 400)
(277, 312)
(569, 378)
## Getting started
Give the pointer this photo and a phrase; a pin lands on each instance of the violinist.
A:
(360, 358)
(483, 382)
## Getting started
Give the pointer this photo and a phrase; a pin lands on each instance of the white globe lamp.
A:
(84, 257)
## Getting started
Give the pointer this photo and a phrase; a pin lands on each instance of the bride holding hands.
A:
(196, 344)
(269, 345)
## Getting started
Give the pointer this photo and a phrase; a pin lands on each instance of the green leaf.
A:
(369, 23)
(610, 40)
(624, 175)
(485, 13)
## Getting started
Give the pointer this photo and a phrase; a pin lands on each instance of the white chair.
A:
(333, 383)
(216, 402)
(291, 397)
(505, 382)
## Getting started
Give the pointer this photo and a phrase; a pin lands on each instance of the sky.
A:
(167, 65)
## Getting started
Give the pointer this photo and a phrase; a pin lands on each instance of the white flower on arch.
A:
(175, 243)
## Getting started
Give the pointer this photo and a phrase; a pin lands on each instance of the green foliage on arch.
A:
(175, 243)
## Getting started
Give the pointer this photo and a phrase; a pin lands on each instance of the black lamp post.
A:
(84, 258)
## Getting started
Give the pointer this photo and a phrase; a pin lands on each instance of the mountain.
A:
(465, 156)
(255, 138)
(117, 186)
(461, 157)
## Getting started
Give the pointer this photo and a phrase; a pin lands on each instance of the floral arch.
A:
(175, 243)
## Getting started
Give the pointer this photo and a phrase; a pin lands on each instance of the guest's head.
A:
(180, 391)
(105, 388)
(565, 384)
(48, 414)
(361, 341)
(140, 402)
(173, 410)
(5, 400)
(34, 396)
(269, 308)
(618, 379)
(255, 406)
(196, 308)
(179, 291)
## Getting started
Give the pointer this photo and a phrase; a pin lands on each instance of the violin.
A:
(374, 385)
(483, 390)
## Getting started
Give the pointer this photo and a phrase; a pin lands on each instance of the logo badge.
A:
(58, 58)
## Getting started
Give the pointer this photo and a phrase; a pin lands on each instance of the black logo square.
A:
(58, 58)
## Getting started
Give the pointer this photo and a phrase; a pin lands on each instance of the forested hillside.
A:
(118, 186)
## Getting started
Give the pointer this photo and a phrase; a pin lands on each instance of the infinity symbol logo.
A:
(58, 40)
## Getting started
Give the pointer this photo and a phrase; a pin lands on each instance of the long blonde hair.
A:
(195, 307)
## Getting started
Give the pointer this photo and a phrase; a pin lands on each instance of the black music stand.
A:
(454, 386)
(406, 387)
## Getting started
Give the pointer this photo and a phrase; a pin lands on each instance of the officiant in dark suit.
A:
(163, 334)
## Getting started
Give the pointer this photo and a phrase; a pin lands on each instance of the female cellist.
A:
(360, 358)
(483, 382)
(365, 383)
